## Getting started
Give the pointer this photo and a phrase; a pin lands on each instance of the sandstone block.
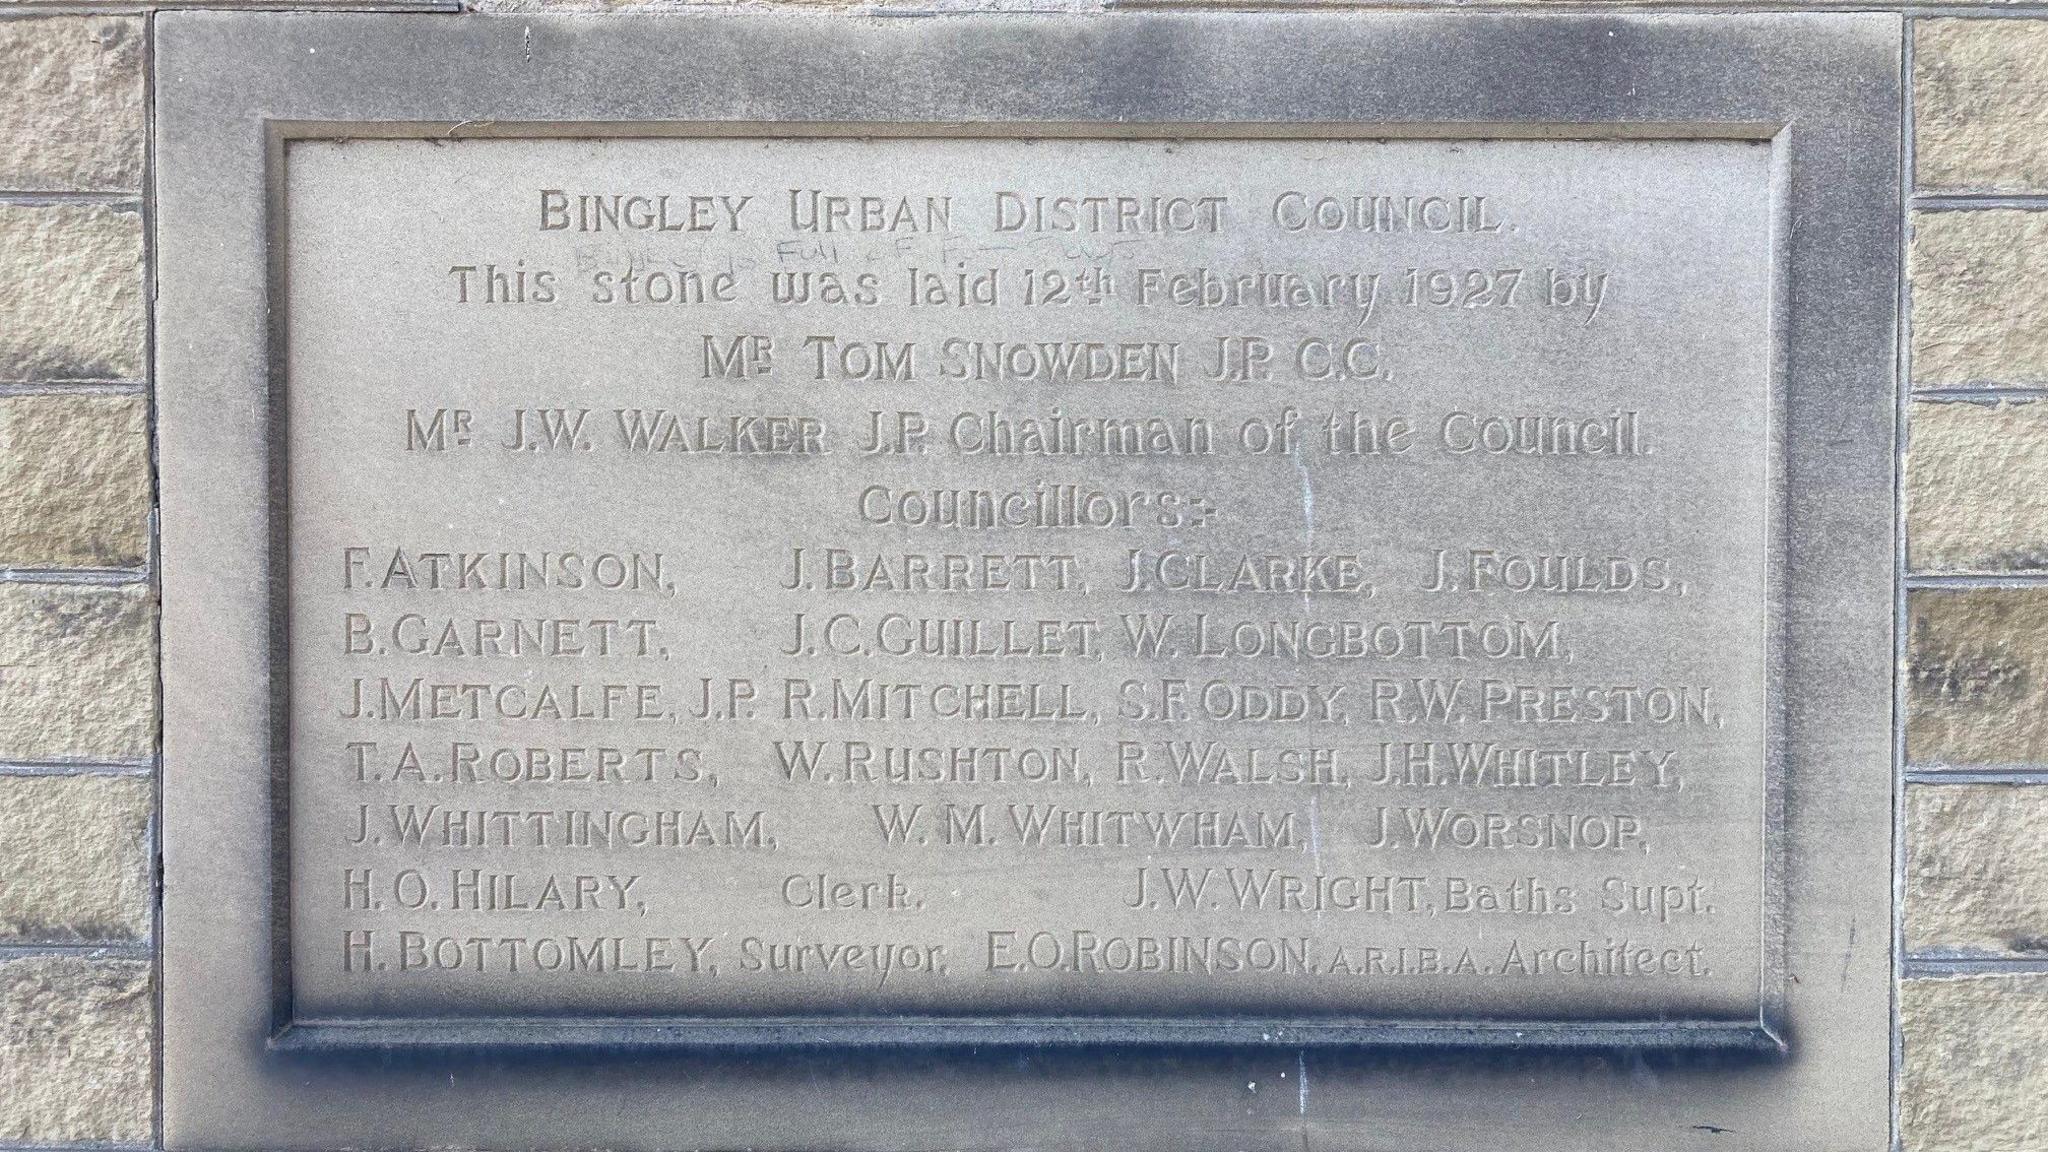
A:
(71, 303)
(1977, 488)
(1976, 1064)
(77, 859)
(1980, 303)
(1977, 676)
(74, 481)
(75, 1060)
(77, 672)
(74, 118)
(1977, 869)
(1980, 105)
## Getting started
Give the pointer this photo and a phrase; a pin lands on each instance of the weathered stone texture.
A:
(75, 1061)
(77, 672)
(1980, 104)
(1976, 1064)
(74, 481)
(1977, 488)
(70, 292)
(1980, 302)
(72, 118)
(1977, 869)
(1977, 676)
(77, 860)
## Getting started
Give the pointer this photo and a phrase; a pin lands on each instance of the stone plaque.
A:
(1029, 576)
(1168, 581)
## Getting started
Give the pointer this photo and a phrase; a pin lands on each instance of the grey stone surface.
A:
(1828, 590)
(1281, 451)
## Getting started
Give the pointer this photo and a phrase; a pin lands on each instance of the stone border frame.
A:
(239, 1071)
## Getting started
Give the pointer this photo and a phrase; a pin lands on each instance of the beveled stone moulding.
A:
(914, 550)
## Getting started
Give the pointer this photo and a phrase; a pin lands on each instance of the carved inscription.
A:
(1058, 577)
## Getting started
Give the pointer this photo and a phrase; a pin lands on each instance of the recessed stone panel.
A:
(991, 577)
